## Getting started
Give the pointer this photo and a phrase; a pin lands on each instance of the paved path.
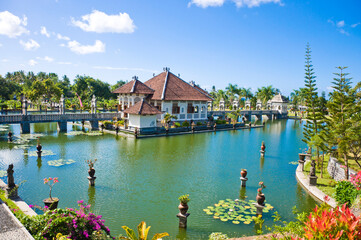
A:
(313, 190)
(10, 227)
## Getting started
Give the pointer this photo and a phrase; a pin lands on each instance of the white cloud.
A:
(44, 32)
(355, 25)
(206, 3)
(46, 58)
(60, 37)
(341, 30)
(64, 63)
(340, 24)
(32, 62)
(239, 3)
(30, 45)
(76, 47)
(5, 60)
(100, 22)
(255, 3)
(1, 45)
(11, 25)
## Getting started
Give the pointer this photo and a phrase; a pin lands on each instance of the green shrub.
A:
(185, 124)
(177, 124)
(199, 123)
(120, 123)
(218, 236)
(345, 193)
(219, 121)
(107, 123)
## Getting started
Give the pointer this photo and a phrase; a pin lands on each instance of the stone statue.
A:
(313, 168)
(10, 171)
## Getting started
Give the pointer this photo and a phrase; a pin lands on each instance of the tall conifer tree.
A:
(341, 109)
(314, 115)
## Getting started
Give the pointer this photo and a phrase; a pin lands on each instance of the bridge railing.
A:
(8, 119)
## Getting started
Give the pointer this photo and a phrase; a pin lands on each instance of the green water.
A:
(141, 179)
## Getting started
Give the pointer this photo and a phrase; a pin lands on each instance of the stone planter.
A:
(51, 203)
(302, 156)
(260, 199)
(91, 172)
(183, 208)
(244, 173)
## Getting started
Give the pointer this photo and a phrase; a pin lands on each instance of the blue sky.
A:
(251, 43)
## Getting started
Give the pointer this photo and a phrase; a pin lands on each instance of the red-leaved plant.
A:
(333, 224)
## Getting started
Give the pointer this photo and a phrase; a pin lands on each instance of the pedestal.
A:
(39, 153)
(262, 152)
(313, 180)
(183, 219)
(259, 208)
(92, 181)
(12, 192)
(243, 181)
(302, 164)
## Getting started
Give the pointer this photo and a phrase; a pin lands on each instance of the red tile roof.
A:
(142, 108)
(168, 86)
(134, 86)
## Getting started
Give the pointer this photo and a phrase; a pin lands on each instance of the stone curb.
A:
(313, 190)
(20, 232)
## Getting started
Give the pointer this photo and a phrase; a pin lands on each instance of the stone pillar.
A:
(25, 106)
(94, 124)
(11, 190)
(91, 181)
(243, 181)
(25, 127)
(62, 105)
(301, 164)
(259, 208)
(62, 126)
(183, 219)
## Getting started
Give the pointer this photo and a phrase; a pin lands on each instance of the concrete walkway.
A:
(10, 227)
(313, 190)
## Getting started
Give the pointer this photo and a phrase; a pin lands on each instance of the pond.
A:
(141, 179)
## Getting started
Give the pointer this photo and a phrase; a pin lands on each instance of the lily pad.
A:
(235, 211)
(60, 162)
(44, 153)
(93, 133)
(3, 173)
(293, 163)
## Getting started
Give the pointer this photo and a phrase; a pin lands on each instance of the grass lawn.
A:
(9, 202)
(326, 184)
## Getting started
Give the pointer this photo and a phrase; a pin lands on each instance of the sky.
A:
(251, 43)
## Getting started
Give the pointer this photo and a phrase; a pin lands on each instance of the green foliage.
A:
(199, 124)
(345, 193)
(120, 123)
(219, 121)
(185, 124)
(184, 199)
(218, 236)
(265, 94)
(177, 124)
(142, 233)
(77, 224)
(107, 124)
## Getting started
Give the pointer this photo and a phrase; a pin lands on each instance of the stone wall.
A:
(335, 170)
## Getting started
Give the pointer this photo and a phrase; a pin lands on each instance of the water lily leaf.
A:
(93, 133)
(293, 163)
(60, 162)
(247, 207)
(3, 173)
(44, 153)
(206, 210)
(209, 213)
(224, 219)
(235, 222)
(215, 217)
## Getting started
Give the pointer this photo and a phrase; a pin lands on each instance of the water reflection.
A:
(261, 165)
(182, 233)
(242, 193)
(39, 163)
(91, 196)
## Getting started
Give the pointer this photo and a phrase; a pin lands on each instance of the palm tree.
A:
(266, 93)
(246, 92)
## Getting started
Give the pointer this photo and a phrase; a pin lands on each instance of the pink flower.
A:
(326, 198)
(46, 180)
(81, 202)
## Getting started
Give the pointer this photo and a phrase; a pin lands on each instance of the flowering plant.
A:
(73, 223)
(262, 186)
(48, 182)
(91, 163)
(355, 179)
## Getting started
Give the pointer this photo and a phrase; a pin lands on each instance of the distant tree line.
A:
(48, 87)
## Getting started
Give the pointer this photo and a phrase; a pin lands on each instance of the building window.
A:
(166, 109)
(182, 110)
(190, 108)
(175, 108)
(196, 109)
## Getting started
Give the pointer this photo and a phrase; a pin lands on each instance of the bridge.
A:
(61, 118)
(247, 114)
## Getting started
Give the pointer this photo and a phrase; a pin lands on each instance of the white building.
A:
(169, 94)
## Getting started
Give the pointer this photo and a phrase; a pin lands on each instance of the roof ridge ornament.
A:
(166, 69)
